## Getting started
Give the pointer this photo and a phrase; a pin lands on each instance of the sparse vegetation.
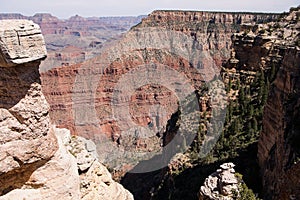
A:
(243, 123)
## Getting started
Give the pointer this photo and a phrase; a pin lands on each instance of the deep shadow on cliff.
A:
(161, 185)
(21, 80)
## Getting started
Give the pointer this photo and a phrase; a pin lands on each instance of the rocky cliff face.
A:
(270, 51)
(161, 16)
(213, 30)
(278, 151)
(27, 139)
(274, 49)
(35, 162)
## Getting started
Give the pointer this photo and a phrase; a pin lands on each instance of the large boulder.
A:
(21, 42)
(56, 179)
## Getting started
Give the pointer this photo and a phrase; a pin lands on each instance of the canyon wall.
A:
(91, 98)
(37, 160)
(278, 150)
(274, 49)
(82, 96)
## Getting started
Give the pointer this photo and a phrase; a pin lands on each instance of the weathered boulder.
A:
(21, 42)
(221, 184)
(95, 180)
(56, 179)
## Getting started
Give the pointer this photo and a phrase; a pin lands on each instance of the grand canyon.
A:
(172, 105)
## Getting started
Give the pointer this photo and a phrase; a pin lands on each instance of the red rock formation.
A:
(58, 91)
(191, 43)
(48, 23)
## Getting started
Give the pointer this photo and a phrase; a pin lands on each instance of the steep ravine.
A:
(274, 49)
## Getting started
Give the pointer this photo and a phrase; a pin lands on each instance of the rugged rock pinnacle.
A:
(34, 160)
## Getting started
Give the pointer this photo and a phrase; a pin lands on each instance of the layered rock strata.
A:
(82, 96)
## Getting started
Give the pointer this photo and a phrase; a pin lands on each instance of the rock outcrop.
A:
(56, 179)
(35, 161)
(95, 180)
(21, 43)
(221, 185)
(27, 139)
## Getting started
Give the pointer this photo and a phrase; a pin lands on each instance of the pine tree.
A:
(229, 86)
(254, 125)
(249, 126)
(230, 111)
(264, 94)
(251, 111)
(262, 78)
(242, 95)
(238, 83)
(273, 72)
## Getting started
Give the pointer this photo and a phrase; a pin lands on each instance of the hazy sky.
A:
(67, 8)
